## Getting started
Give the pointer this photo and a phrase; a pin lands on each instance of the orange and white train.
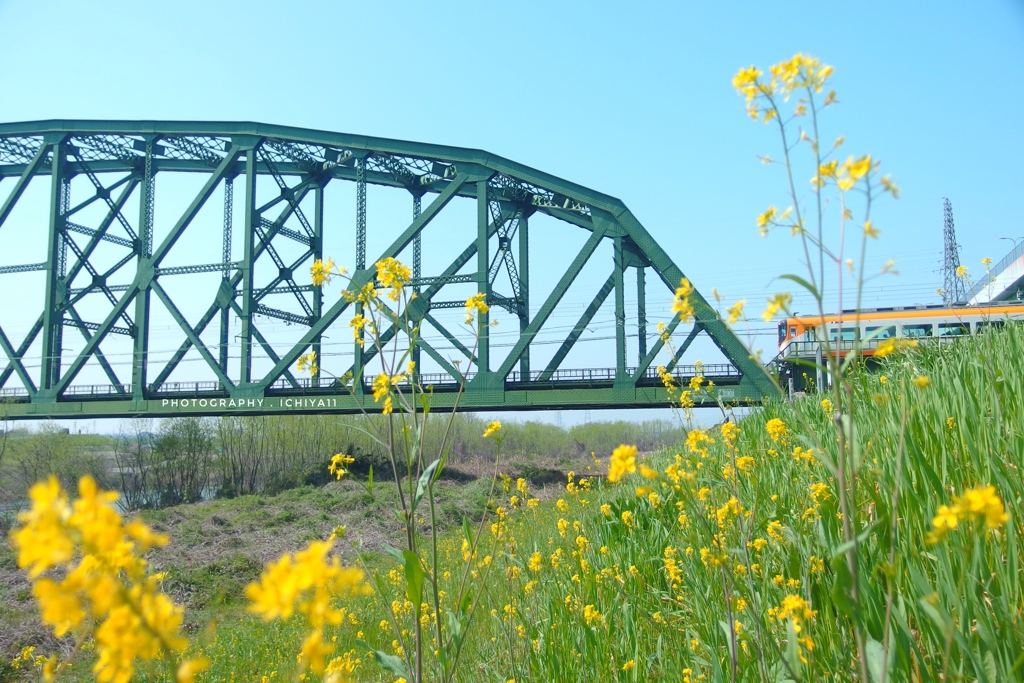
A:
(800, 335)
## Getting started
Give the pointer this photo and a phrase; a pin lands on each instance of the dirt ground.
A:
(218, 546)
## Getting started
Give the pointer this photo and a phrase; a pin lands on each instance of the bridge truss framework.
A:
(115, 164)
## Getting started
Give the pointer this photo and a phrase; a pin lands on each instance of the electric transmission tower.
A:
(952, 283)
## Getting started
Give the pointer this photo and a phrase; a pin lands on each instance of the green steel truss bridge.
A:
(117, 236)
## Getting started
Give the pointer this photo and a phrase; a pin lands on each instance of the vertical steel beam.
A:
(417, 243)
(140, 355)
(357, 362)
(641, 313)
(417, 268)
(53, 325)
(357, 349)
(360, 214)
(318, 254)
(248, 266)
(65, 211)
(483, 363)
(524, 290)
(229, 213)
(225, 257)
(620, 312)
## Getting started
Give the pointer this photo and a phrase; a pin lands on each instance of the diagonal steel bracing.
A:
(107, 164)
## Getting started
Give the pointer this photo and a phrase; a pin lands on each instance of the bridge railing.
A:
(720, 373)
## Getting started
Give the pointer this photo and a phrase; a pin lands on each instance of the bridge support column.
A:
(641, 314)
(620, 315)
(147, 206)
(55, 292)
(483, 354)
(357, 349)
(251, 219)
(318, 292)
(225, 309)
(417, 271)
(524, 284)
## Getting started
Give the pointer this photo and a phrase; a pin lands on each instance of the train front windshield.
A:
(782, 332)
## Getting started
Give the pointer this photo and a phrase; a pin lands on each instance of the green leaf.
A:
(413, 579)
(369, 482)
(440, 465)
(803, 283)
(989, 665)
(875, 654)
(842, 588)
(454, 627)
(779, 673)
(730, 640)
(392, 663)
(393, 552)
(844, 548)
(937, 617)
(467, 531)
(792, 648)
(421, 485)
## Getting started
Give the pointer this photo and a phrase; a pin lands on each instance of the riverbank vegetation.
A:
(739, 526)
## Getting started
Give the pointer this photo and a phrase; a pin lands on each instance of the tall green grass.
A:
(605, 606)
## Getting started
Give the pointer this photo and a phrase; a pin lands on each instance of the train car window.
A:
(924, 330)
(986, 324)
(953, 329)
(792, 331)
(886, 332)
(847, 334)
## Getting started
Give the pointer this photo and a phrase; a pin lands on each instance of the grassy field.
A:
(723, 561)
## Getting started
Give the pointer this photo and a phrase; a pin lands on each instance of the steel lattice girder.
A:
(132, 154)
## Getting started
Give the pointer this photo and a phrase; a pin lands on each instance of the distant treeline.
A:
(184, 460)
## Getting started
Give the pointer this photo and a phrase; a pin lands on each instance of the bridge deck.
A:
(564, 389)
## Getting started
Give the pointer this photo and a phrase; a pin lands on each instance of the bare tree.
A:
(183, 452)
(134, 461)
(243, 453)
(6, 433)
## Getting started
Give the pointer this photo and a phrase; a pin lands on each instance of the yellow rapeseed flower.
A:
(735, 311)
(308, 362)
(131, 619)
(775, 529)
(492, 429)
(393, 274)
(776, 429)
(321, 272)
(765, 219)
(892, 345)
(621, 463)
(780, 301)
(681, 302)
(476, 304)
(338, 463)
(188, 669)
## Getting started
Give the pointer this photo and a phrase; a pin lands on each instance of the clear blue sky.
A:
(633, 100)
